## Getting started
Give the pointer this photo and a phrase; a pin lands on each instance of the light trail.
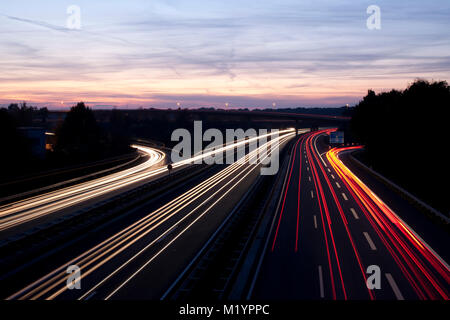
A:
(323, 206)
(29, 209)
(313, 141)
(420, 265)
(285, 193)
(298, 197)
(53, 284)
(26, 210)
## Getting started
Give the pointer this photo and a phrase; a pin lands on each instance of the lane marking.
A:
(402, 222)
(354, 213)
(309, 178)
(344, 196)
(322, 294)
(312, 194)
(329, 170)
(394, 287)
(315, 221)
(307, 168)
(369, 240)
(337, 184)
(332, 176)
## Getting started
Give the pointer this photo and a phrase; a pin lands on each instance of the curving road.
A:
(145, 257)
(19, 212)
(331, 233)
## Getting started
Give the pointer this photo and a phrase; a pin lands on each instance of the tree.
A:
(402, 131)
(16, 149)
(119, 132)
(79, 136)
(43, 113)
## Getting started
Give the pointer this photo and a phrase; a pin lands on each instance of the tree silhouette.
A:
(79, 136)
(403, 132)
(16, 149)
(118, 132)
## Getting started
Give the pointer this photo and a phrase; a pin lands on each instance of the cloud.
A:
(295, 51)
(67, 30)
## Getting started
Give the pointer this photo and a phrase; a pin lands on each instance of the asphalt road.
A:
(22, 215)
(330, 234)
(144, 257)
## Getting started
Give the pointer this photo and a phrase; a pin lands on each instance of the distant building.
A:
(50, 141)
(36, 136)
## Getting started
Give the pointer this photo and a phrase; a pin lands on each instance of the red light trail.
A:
(411, 252)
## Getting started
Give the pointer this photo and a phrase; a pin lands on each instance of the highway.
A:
(19, 216)
(329, 236)
(330, 233)
(23, 211)
(36, 209)
(143, 258)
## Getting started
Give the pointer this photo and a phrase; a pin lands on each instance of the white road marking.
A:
(354, 213)
(332, 176)
(337, 184)
(322, 294)
(394, 287)
(312, 194)
(410, 229)
(369, 240)
(344, 196)
(307, 168)
(315, 222)
(309, 178)
(328, 169)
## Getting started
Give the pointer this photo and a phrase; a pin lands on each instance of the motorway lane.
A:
(18, 217)
(322, 241)
(433, 233)
(21, 215)
(160, 243)
(427, 273)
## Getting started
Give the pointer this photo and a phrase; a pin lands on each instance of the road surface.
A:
(24, 211)
(332, 233)
(144, 258)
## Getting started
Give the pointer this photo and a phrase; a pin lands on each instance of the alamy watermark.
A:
(374, 20)
(252, 146)
(74, 19)
(74, 279)
(374, 279)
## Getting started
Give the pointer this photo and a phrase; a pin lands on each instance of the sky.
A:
(152, 53)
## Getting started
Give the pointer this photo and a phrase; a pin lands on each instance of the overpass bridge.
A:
(245, 117)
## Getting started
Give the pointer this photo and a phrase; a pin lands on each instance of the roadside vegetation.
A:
(405, 134)
(79, 139)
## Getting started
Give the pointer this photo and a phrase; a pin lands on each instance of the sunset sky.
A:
(207, 53)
